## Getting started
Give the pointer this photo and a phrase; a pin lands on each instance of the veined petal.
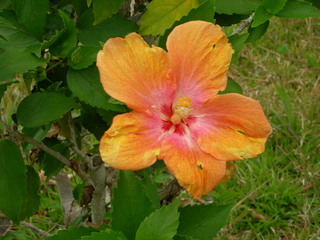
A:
(129, 144)
(135, 73)
(231, 127)
(199, 54)
(198, 172)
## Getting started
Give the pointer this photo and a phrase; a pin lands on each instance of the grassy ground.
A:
(277, 194)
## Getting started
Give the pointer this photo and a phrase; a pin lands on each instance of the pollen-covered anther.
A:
(181, 110)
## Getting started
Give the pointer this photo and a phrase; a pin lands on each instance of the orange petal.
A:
(199, 54)
(127, 145)
(135, 73)
(231, 127)
(195, 170)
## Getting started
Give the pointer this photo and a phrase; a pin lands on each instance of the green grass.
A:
(277, 194)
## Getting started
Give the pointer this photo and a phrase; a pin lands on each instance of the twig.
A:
(36, 229)
(71, 209)
(243, 25)
(170, 192)
(73, 141)
(98, 175)
(71, 164)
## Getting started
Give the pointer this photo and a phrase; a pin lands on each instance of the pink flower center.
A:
(176, 116)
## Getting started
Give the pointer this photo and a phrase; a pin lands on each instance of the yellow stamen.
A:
(181, 110)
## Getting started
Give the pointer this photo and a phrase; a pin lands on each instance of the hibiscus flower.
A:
(176, 114)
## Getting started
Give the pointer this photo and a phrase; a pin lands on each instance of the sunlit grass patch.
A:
(278, 192)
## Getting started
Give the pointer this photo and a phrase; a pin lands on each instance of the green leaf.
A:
(161, 14)
(261, 15)
(273, 6)
(37, 133)
(116, 26)
(83, 56)
(236, 6)
(204, 12)
(161, 224)
(237, 41)
(202, 222)
(257, 32)
(130, 205)
(151, 188)
(67, 39)
(232, 87)
(12, 180)
(32, 201)
(85, 84)
(298, 9)
(10, 62)
(15, 36)
(315, 3)
(180, 237)
(72, 233)
(103, 9)
(32, 14)
(39, 109)
(107, 235)
(93, 122)
(228, 20)
(50, 164)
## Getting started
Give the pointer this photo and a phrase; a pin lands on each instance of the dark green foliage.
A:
(298, 9)
(12, 181)
(108, 234)
(72, 233)
(41, 108)
(130, 205)
(203, 221)
(161, 224)
(85, 84)
(116, 26)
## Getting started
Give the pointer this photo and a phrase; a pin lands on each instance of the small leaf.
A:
(32, 201)
(130, 205)
(68, 38)
(274, 6)
(161, 14)
(12, 180)
(232, 87)
(107, 235)
(39, 109)
(72, 233)
(38, 133)
(236, 6)
(85, 84)
(298, 9)
(93, 122)
(32, 14)
(10, 62)
(161, 224)
(103, 9)
(205, 12)
(151, 188)
(261, 15)
(116, 26)
(83, 56)
(50, 164)
(257, 32)
(203, 222)
(237, 41)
